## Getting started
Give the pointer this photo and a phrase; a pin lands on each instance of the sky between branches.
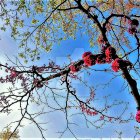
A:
(59, 54)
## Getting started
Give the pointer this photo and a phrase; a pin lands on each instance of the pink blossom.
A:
(37, 83)
(94, 113)
(102, 117)
(74, 68)
(13, 74)
(129, 22)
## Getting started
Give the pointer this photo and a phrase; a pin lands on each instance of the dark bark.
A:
(133, 85)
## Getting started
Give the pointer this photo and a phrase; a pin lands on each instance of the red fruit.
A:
(115, 65)
(89, 60)
(119, 63)
(86, 54)
(110, 51)
(108, 60)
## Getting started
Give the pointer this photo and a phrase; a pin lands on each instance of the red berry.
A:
(110, 51)
(89, 60)
(86, 54)
(115, 65)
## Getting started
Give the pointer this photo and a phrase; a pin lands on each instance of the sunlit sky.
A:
(56, 121)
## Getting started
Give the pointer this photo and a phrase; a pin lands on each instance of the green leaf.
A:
(34, 21)
(21, 55)
(3, 28)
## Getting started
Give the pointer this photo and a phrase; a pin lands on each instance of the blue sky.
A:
(59, 53)
(56, 121)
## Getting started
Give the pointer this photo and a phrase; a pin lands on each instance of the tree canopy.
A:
(112, 29)
(6, 134)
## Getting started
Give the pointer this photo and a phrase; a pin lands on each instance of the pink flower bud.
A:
(74, 68)
(13, 74)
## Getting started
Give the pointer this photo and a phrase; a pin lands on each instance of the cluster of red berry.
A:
(89, 59)
(133, 26)
(107, 56)
(119, 63)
